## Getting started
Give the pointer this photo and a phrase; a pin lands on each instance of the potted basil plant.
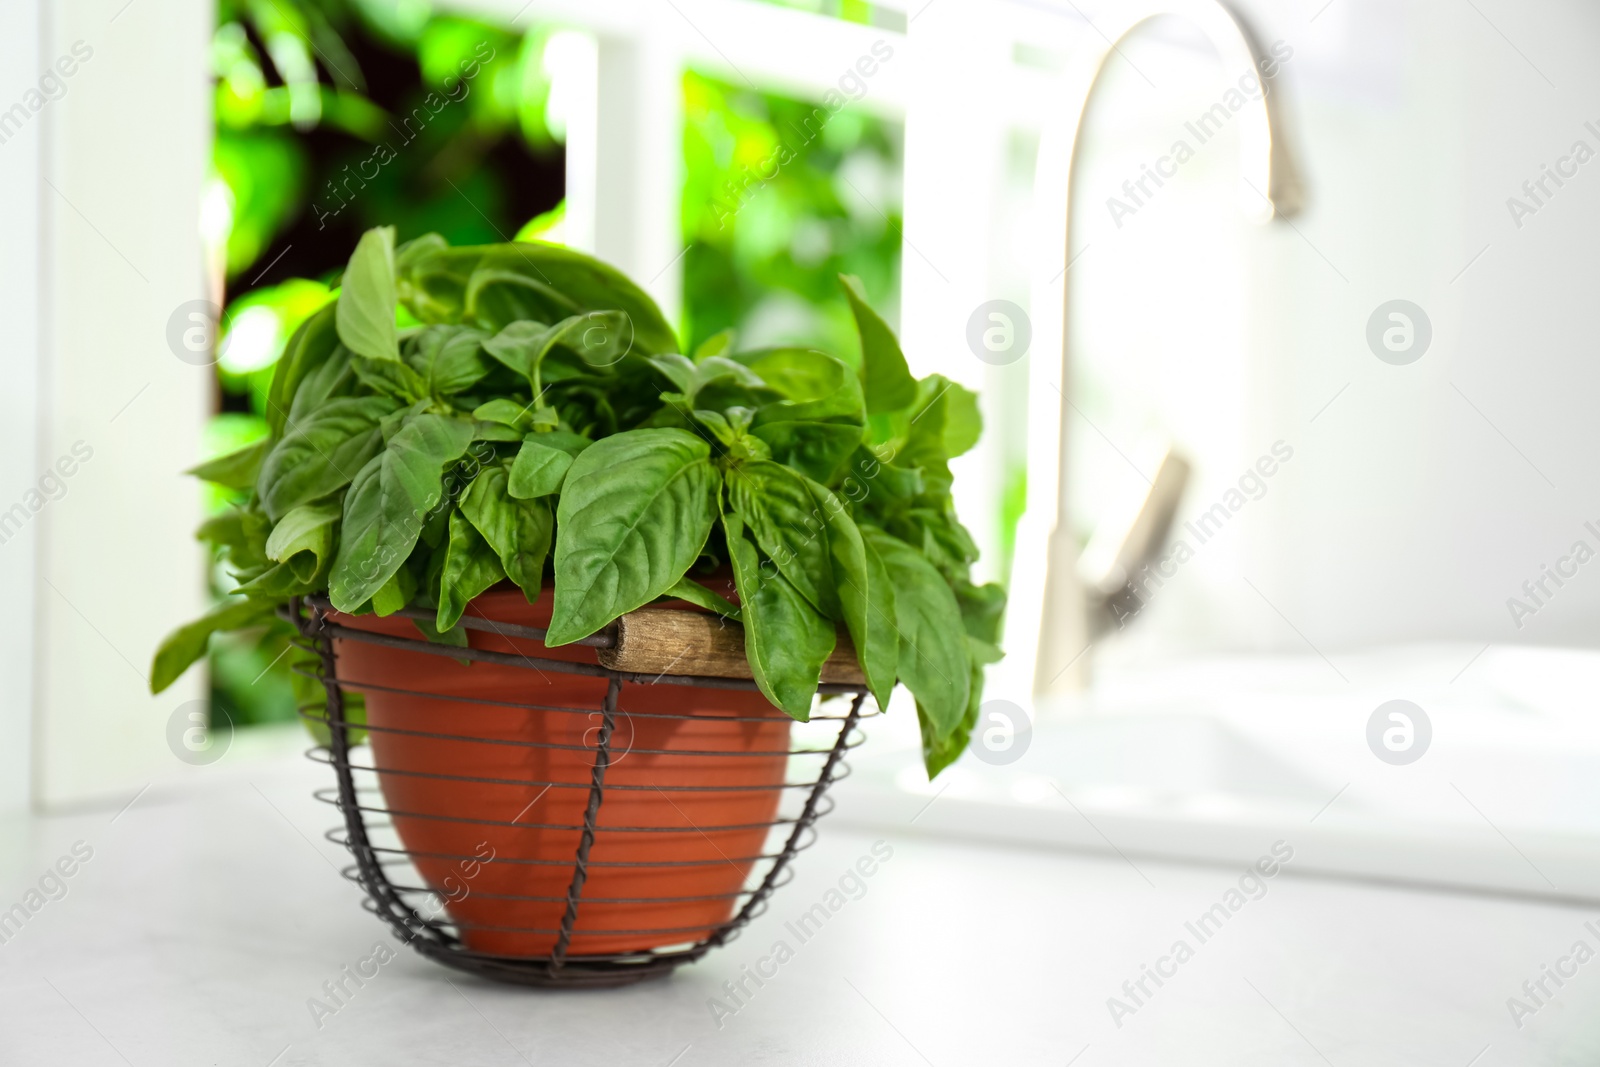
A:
(511, 432)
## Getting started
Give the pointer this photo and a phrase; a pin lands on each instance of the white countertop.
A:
(209, 914)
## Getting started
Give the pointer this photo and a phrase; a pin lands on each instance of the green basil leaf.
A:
(506, 412)
(718, 344)
(321, 453)
(585, 284)
(814, 386)
(307, 528)
(746, 447)
(332, 378)
(455, 637)
(246, 541)
(388, 502)
(944, 541)
(570, 443)
(713, 369)
(448, 359)
(677, 369)
(598, 338)
(635, 511)
(551, 283)
(819, 450)
(308, 349)
(431, 278)
(518, 530)
(236, 470)
(539, 468)
(984, 652)
(983, 609)
(672, 414)
(367, 298)
(394, 379)
(470, 567)
(945, 424)
(223, 530)
(519, 346)
(864, 596)
(934, 662)
(394, 594)
(941, 750)
(296, 576)
(717, 423)
(886, 381)
(689, 590)
(785, 639)
(416, 250)
(495, 431)
(963, 421)
(188, 642)
(497, 298)
(884, 483)
(726, 394)
(787, 522)
(810, 537)
(390, 424)
(821, 421)
(867, 594)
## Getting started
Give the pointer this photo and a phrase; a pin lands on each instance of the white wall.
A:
(19, 309)
(1421, 499)
(124, 154)
(1414, 515)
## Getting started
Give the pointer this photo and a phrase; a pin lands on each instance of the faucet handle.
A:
(1109, 574)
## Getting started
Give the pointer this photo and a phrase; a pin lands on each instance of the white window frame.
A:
(99, 245)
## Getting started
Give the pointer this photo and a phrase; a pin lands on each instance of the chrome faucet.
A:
(1048, 629)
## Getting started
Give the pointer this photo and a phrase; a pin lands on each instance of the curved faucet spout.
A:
(1269, 188)
(1270, 184)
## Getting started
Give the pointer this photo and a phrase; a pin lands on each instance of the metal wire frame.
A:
(438, 937)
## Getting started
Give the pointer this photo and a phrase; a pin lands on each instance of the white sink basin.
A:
(1216, 760)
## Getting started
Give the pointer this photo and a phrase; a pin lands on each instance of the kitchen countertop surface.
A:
(209, 914)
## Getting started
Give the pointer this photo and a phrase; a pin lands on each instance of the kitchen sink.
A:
(1214, 760)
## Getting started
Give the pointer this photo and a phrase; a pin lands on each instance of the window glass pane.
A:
(780, 197)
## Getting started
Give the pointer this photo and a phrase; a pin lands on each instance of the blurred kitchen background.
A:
(735, 156)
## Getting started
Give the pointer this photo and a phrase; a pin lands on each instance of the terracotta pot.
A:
(678, 829)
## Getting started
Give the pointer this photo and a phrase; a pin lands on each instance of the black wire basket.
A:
(663, 887)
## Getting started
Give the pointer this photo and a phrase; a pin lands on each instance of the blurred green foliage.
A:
(333, 116)
(780, 197)
(849, 10)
